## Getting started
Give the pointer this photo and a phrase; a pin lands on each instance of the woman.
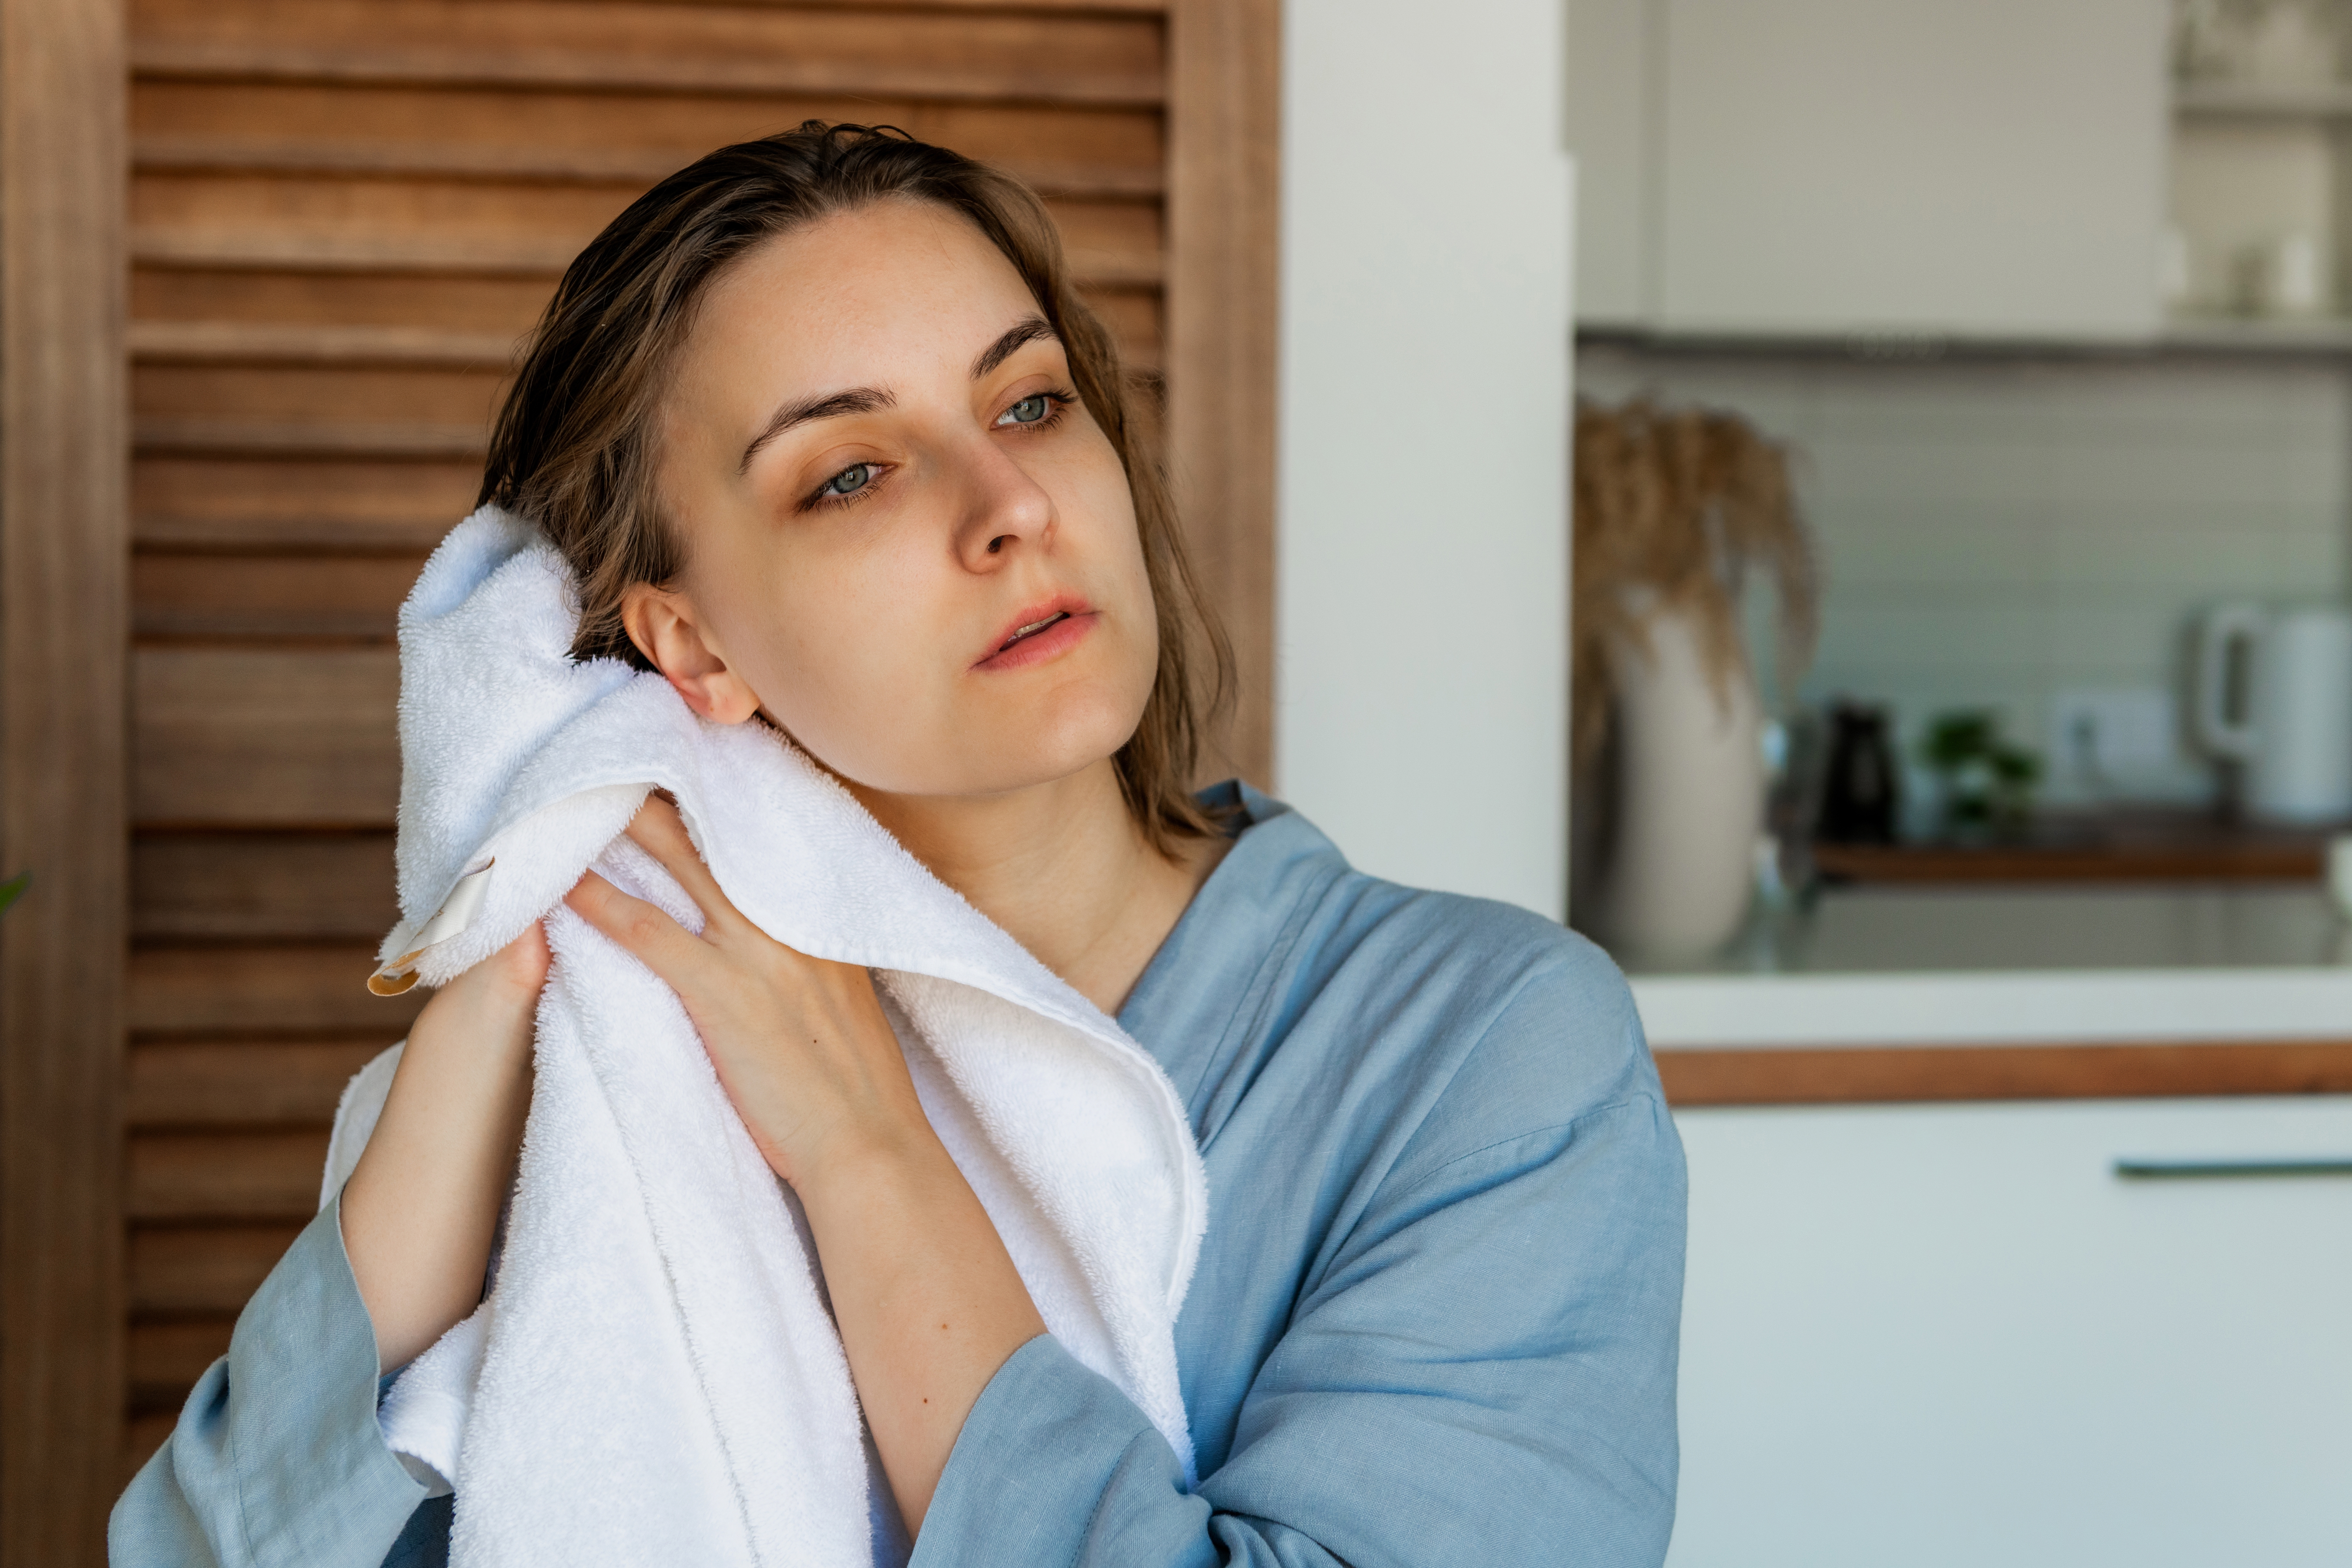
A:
(825, 436)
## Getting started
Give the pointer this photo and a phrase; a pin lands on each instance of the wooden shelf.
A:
(2152, 848)
(1920, 1074)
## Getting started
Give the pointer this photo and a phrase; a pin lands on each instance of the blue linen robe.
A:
(1435, 1320)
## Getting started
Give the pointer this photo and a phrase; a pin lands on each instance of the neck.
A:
(1062, 867)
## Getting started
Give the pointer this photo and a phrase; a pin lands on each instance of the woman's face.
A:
(905, 540)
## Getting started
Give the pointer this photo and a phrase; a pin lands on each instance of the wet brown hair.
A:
(573, 447)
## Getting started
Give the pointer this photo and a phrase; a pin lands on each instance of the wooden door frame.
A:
(64, 570)
(1224, 217)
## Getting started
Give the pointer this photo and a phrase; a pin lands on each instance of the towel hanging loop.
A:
(457, 913)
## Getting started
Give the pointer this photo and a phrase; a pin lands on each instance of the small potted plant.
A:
(1985, 781)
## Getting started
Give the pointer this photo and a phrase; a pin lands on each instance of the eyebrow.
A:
(866, 399)
(1014, 337)
(857, 400)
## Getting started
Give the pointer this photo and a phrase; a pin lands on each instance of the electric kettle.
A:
(2273, 693)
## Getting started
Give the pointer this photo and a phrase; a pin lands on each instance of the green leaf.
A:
(14, 888)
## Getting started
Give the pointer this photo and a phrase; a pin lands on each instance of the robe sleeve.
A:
(276, 1460)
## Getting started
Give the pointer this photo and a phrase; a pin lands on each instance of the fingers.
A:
(523, 962)
(662, 832)
(659, 943)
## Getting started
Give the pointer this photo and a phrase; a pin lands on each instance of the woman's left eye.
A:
(850, 480)
(1029, 410)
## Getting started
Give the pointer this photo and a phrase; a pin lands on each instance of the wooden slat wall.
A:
(62, 559)
(342, 215)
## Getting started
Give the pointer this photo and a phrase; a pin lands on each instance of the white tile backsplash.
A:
(2020, 533)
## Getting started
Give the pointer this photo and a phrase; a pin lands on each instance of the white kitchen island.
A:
(1921, 1330)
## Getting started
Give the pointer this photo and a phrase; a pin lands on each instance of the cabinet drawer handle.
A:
(2205, 1170)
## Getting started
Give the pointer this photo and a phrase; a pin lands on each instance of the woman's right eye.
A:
(849, 481)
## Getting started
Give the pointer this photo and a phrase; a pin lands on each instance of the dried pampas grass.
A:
(1673, 507)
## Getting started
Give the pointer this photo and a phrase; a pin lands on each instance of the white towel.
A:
(654, 1376)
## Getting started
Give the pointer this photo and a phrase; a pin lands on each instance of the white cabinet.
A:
(1952, 1335)
(1992, 169)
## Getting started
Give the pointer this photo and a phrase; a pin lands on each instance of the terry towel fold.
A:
(654, 1376)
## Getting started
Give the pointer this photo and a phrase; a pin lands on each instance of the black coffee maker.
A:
(1862, 792)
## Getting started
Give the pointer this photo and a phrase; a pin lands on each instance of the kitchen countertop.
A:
(1966, 992)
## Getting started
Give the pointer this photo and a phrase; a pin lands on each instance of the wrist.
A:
(874, 1169)
(482, 1016)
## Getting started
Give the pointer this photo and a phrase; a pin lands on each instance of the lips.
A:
(1033, 628)
(1038, 632)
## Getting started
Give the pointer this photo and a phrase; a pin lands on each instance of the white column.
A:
(1422, 694)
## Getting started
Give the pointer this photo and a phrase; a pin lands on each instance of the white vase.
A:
(1665, 857)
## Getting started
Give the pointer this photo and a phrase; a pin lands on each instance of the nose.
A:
(1004, 509)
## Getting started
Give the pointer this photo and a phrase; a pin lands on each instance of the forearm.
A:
(928, 1302)
(422, 1207)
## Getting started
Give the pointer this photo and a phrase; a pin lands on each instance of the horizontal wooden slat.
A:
(700, 48)
(175, 595)
(190, 1269)
(502, 227)
(537, 258)
(517, 256)
(1055, 178)
(243, 504)
(1134, 317)
(281, 991)
(177, 437)
(260, 886)
(224, 1175)
(256, 1084)
(232, 325)
(243, 737)
(492, 308)
(1863, 1075)
(302, 344)
(166, 1359)
(528, 218)
(1112, 243)
(624, 138)
(313, 395)
(1138, 8)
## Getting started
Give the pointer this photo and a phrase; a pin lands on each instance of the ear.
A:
(663, 624)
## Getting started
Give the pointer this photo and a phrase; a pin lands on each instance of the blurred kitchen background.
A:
(2048, 304)
(1963, 750)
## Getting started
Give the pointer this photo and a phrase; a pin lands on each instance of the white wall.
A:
(1423, 557)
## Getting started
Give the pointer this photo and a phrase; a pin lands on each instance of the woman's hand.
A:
(422, 1206)
(801, 1044)
(928, 1302)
